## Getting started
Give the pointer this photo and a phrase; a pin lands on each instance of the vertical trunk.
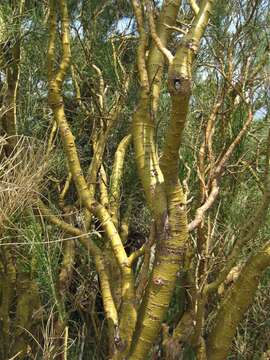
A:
(162, 186)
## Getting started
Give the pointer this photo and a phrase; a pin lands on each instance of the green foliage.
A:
(41, 255)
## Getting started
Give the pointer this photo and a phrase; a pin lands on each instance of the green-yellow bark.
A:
(155, 60)
(56, 103)
(169, 211)
(103, 187)
(236, 302)
(116, 178)
(143, 127)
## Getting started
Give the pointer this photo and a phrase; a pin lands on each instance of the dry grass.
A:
(21, 176)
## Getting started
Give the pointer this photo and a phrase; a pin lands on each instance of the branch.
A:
(109, 306)
(220, 166)
(236, 302)
(194, 6)
(177, 29)
(103, 187)
(168, 55)
(101, 86)
(136, 254)
(65, 190)
(155, 60)
(217, 173)
(250, 229)
(206, 206)
(137, 8)
(116, 177)
(144, 117)
(195, 33)
(56, 104)
(66, 55)
(171, 243)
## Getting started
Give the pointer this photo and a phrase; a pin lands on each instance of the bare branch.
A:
(137, 8)
(194, 6)
(168, 55)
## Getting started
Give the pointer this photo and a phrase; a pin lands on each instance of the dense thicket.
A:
(134, 179)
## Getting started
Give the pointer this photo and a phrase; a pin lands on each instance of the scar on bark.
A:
(179, 84)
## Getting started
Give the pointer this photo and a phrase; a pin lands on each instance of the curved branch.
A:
(236, 302)
(206, 206)
(166, 52)
(217, 173)
(116, 177)
(57, 106)
(136, 254)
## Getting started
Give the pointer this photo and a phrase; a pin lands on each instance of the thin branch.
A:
(249, 229)
(175, 28)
